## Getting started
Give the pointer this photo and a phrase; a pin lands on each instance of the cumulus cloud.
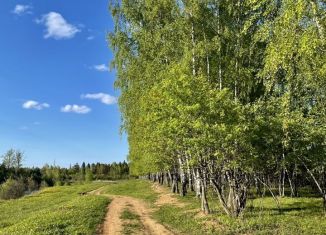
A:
(104, 98)
(57, 27)
(80, 109)
(22, 9)
(101, 68)
(32, 104)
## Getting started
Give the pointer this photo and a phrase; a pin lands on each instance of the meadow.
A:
(67, 210)
(302, 215)
(55, 210)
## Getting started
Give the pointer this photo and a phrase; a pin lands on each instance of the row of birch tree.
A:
(223, 95)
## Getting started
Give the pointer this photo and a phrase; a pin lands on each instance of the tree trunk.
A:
(290, 182)
(197, 182)
(183, 189)
(204, 202)
(162, 178)
(219, 191)
(314, 7)
(190, 176)
(167, 179)
(270, 190)
(321, 191)
(175, 184)
(220, 46)
(193, 49)
(295, 180)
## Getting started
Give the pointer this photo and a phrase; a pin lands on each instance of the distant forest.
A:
(16, 180)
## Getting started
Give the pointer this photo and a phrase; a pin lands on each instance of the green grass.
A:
(135, 188)
(303, 215)
(57, 210)
(129, 215)
(131, 222)
(61, 210)
(299, 216)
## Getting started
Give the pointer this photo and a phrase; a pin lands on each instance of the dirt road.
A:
(113, 225)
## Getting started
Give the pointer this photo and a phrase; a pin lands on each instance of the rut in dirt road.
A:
(113, 225)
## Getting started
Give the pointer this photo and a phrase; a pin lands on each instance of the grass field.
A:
(57, 210)
(299, 215)
(62, 210)
(135, 188)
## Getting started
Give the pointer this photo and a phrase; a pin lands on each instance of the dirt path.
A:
(113, 225)
(165, 196)
(96, 191)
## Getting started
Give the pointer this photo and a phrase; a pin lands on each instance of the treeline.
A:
(224, 95)
(16, 180)
(55, 175)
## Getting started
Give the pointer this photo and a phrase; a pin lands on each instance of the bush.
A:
(89, 175)
(12, 189)
(32, 185)
(48, 181)
(59, 183)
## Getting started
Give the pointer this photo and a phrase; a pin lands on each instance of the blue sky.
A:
(57, 99)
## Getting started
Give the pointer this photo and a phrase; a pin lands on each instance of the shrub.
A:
(12, 189)
(89, 175)
(59, 183)
(44, 184)
(32, 185)
(48, 181)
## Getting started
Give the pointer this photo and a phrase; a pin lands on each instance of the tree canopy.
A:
(218, 92)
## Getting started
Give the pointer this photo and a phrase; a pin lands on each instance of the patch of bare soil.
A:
(113, 224)
(96, 191)
(165, 197)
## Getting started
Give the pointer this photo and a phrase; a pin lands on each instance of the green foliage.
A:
(55, 175)
(89, 175)
(20, 180)
(12, 189)
(232, 88)
(3, 173)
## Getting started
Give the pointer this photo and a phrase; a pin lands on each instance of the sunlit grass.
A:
(303, 215)
(57, 210)
(135, 188)
(131, 222)
(62, 210)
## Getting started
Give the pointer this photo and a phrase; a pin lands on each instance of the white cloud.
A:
(57, 27)
(104, 98)
(32, 104)
(90, 38)
(75, 109)
(101, 68)
(22, 9)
